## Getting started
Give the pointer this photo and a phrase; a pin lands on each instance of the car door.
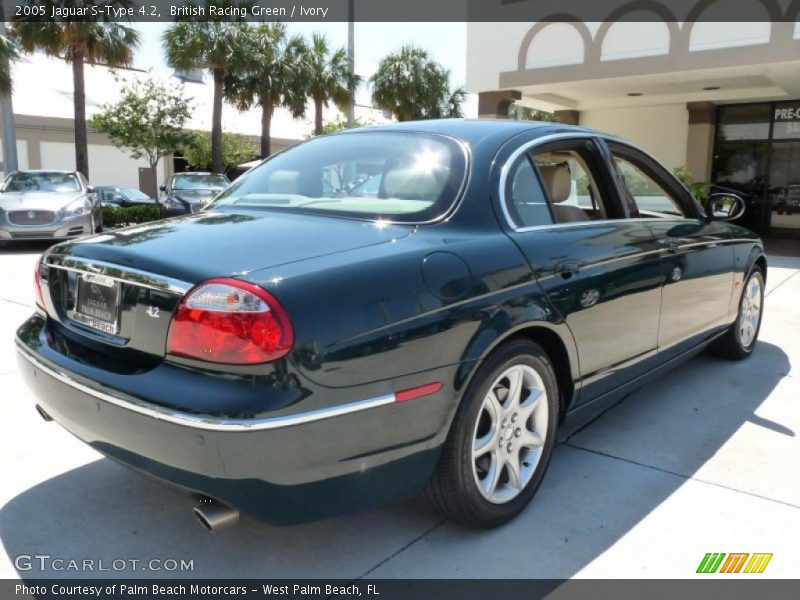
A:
(697, 259)
(600, 270)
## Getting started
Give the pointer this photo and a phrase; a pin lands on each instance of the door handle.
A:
(568, 268)
(669, 245)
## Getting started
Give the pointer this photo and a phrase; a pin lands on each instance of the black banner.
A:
(730, 588)
(405, 11)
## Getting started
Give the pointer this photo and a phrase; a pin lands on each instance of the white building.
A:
(722, 98)
(43, 112)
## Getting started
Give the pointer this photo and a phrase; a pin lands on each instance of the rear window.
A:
(400, 177)
(199, 182)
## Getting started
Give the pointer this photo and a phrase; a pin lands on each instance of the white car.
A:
(47, 205)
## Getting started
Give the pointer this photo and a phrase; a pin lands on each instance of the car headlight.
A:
(79, 208)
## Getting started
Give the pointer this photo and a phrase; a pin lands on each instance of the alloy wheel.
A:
(750, 312)
(509, 434)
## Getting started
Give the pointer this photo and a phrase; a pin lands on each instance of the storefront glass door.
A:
(784, 187)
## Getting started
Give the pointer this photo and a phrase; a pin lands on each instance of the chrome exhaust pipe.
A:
(214, 515)
(43, 413)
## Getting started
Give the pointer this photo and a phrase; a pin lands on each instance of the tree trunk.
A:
(217, 165)
(266, 138)
(79, 96)
(317, 117)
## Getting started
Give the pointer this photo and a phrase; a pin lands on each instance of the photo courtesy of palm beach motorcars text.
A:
(169, 589)
(365, 298)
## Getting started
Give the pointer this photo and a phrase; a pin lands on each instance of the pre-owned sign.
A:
(787, 121)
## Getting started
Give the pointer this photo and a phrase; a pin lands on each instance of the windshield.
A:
(134, 194)
(402, 177)
(42, 182)
(194, 181)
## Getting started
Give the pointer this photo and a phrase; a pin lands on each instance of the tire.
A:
(461, 486)
(99, 227)
(740, 340)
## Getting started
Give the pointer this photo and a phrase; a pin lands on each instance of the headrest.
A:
(414, 184)
(558, 180)
(284, 182)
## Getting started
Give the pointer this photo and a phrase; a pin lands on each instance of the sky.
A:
(446, 42)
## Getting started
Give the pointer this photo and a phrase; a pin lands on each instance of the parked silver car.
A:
(47, 205)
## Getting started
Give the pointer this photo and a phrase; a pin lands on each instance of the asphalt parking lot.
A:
(707, 459)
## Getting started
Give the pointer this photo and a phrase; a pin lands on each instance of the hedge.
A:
(114, 216)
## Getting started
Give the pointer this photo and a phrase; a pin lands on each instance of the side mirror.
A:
(90, 189)
(724, 207)
(162, 188)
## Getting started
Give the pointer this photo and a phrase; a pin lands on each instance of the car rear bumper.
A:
(283, 470)
(59, 230)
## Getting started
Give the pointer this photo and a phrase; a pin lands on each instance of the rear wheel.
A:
(501, 439)
(740, 339)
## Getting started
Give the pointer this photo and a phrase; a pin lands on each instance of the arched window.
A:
(631, 38)
(555, 44)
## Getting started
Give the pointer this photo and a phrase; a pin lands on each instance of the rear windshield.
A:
(400, 177)
(199, 182)
(42, 182)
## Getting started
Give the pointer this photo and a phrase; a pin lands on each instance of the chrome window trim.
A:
(577, 135)
(204, 422)
(121, 273)
(523, 149)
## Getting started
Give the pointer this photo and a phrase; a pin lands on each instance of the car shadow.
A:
(103, 511)
(26, 247)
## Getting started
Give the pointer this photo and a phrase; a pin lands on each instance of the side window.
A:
(649, 197)
(526, 202)
(573, 192)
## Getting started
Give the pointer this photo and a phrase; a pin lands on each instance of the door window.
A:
(650, 198)
(527, 203)
(570, 187)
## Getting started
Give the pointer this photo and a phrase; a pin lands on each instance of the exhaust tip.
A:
(213, 515)
(43, 413)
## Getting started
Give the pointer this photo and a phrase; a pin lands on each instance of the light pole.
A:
(351, 52)
(9, 134)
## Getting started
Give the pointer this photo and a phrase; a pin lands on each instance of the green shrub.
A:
(114, 216)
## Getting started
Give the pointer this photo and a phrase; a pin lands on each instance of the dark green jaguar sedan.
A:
(310, 344)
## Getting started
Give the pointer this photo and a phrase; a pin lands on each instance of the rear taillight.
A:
(37, 284)
(230, 321)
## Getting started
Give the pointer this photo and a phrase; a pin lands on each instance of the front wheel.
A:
(500, 443)
(740, 339)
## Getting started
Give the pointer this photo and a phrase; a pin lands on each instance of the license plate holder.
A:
(97, 302)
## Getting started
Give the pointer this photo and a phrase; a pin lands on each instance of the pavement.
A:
(706, 459)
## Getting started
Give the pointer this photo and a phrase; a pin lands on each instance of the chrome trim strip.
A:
(526, 147)
(208, 423)
(121, 273)
(581, 135)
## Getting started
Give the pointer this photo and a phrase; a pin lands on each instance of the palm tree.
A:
(8, 54)
(78, 43)
(329, 76)
(218, 46)
(272, 75)
(411, 85)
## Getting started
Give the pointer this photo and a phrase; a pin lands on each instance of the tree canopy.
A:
(147, 120)
(411, 85)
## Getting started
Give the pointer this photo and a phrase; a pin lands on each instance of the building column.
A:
(567, 117)
(495, 105)
(700, 143)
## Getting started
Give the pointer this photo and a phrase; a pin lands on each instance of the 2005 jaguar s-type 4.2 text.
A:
(403, 308)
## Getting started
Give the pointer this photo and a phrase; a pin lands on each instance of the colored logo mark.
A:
(737, 562)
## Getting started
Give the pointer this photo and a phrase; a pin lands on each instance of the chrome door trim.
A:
(205, 422)
(524, 148)
(121, 273)
(584, 135)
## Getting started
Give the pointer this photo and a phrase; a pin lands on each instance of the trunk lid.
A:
(117, 291)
